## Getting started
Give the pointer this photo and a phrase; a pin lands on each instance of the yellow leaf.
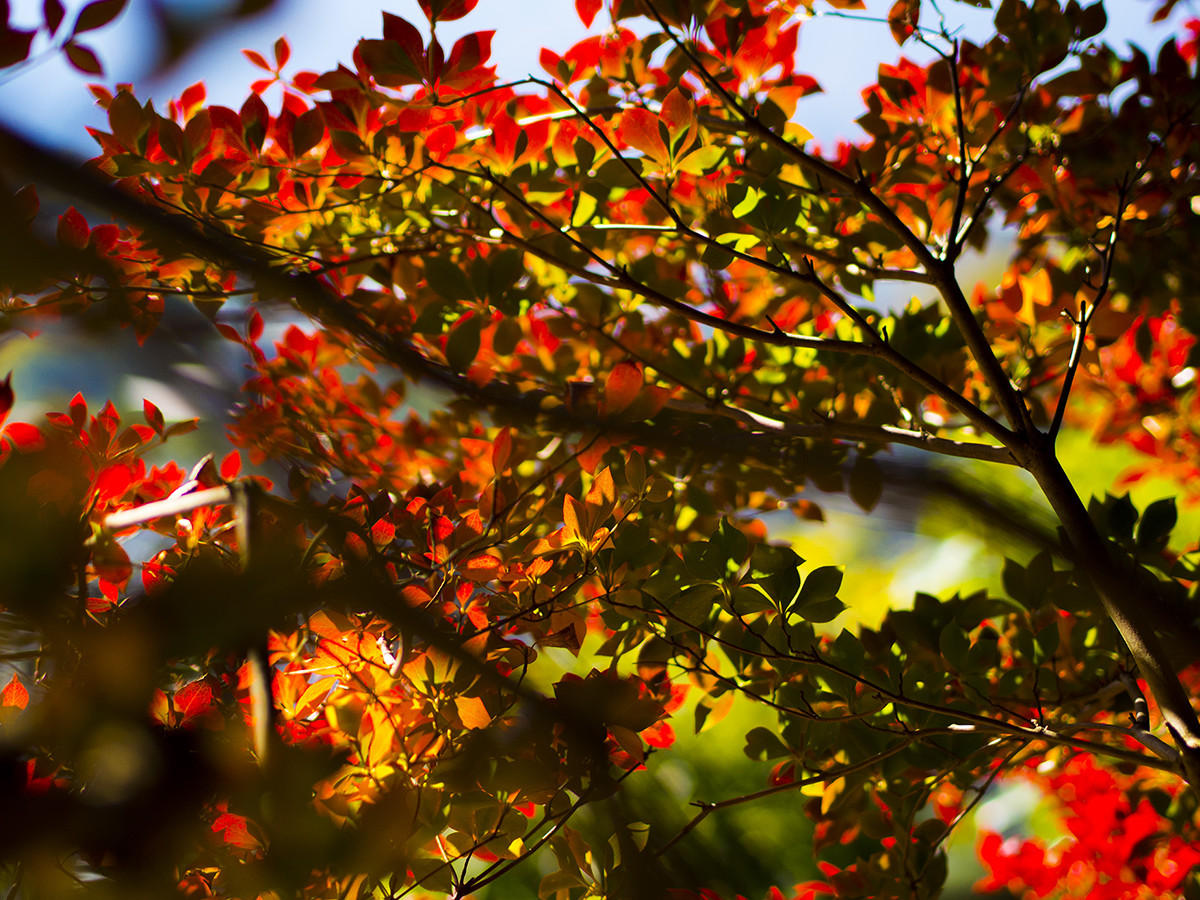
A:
(830, 795)
(585, 208)
(796, 133)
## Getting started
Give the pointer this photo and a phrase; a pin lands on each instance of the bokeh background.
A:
(905, 545)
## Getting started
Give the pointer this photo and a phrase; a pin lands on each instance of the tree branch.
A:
(941, 271)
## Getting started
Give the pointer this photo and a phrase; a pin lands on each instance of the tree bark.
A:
(1128, 596)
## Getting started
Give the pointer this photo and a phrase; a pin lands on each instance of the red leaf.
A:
(441, 141)
(257, 59)
(14, 694)
(254, 326)
(383, 533)
(308, 131)
(469, 51)
(446, 10)
(235, 831)
(231, 465)
(622, 386)
(154, 416)
(78, 408)
(98, 14)
(24, 437)
(660, 735)
(73, 229)
(587, 10)
(154, 576)
(229, 332)
(193, 700)
(405, 34)
(112, 482)
(192, 98)
(283, 52)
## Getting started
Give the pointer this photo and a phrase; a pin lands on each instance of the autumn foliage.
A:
(528, 366)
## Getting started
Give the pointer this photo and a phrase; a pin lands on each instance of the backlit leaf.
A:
(472, 712)
(587, 10)
(622, 386)
(14, 694)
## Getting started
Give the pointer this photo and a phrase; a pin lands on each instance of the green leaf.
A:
(748, 599)
(762, 743)
(1156, 523)
(821, 585)
(704, 560)
(716, 257)
(504, 270)
(1012, 575)
(447, 279)
(463, 344)
(866, 482)
(776, 571)
(694, 604)
(732, 543)
(954, 645)
(821, 611)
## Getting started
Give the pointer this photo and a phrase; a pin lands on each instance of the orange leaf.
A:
(501, 449)
(472, 712)
(639, 129)
(902, 19)
(603, 492)
(480, 568)
(621, 387)
(14, 694)
(677, 113)
(574, 519)
(591, 456)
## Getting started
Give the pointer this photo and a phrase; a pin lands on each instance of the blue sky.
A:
(52, 101)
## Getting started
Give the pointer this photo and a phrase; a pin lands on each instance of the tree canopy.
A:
(531, 365)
